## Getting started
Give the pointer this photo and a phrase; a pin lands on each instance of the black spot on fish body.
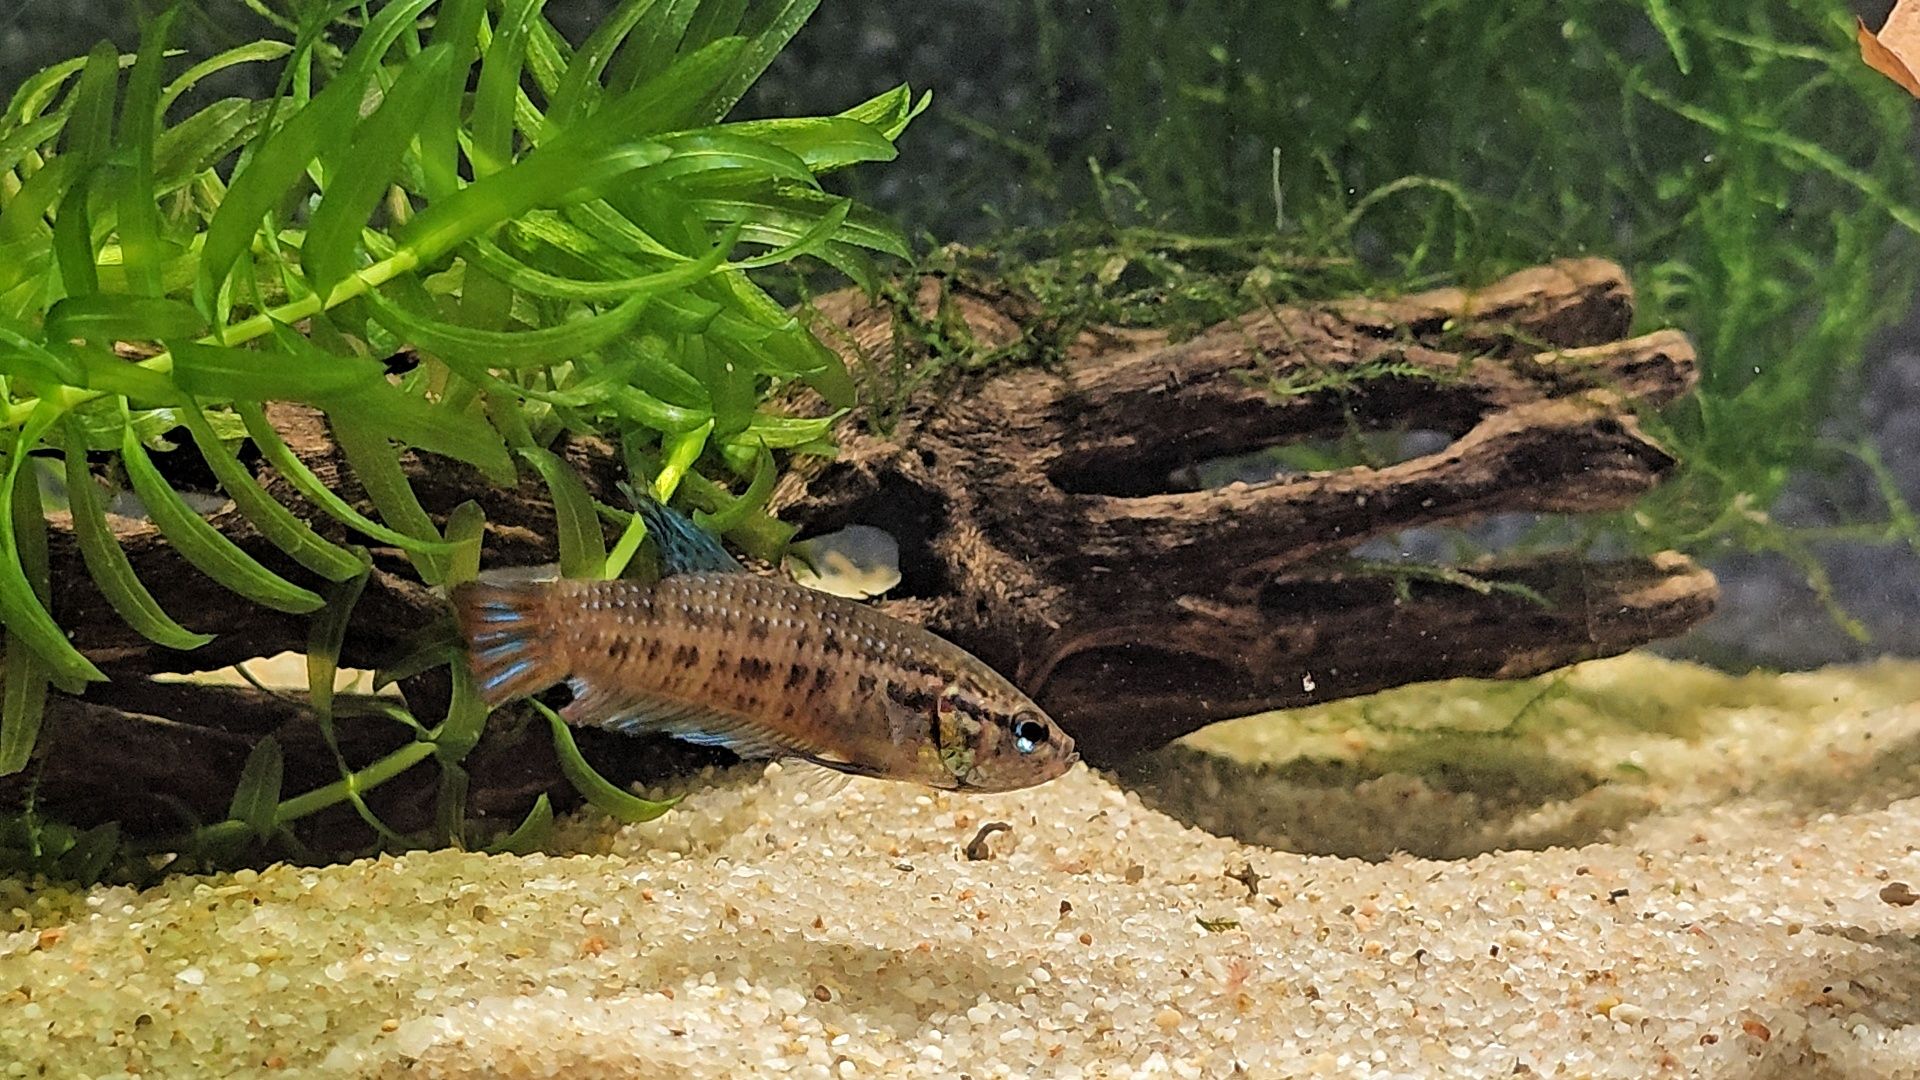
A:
(686, 655)
(823, 680)
(654, 647)
(757, 629)
(620, 649)
(830, 646)
(754, 669)
(909, 697)
(867, 683)
(796, 674)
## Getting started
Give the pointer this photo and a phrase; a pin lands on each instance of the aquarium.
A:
(736, 538)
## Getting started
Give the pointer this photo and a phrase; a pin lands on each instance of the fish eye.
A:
(1029, 734)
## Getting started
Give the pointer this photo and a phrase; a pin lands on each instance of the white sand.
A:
(1725, 920)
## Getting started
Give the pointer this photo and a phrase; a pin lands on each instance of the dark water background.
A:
(987, 60)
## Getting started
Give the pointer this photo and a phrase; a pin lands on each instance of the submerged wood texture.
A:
(1043, 527)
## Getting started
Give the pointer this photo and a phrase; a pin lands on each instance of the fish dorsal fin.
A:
(685, 548)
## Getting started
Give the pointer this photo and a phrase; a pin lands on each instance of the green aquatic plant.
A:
(561, 237)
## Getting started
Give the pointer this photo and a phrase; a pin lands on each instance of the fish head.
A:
(994, 738)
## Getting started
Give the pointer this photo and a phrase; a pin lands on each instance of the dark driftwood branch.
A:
(1042, 524)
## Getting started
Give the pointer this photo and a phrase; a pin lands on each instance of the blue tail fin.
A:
(685, 548)
(511, 646)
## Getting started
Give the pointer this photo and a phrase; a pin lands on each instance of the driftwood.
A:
(1043, 524)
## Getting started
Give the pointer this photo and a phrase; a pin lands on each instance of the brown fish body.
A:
(767, 667)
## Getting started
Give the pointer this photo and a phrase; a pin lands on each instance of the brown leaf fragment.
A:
(1899, 894)
(1895, 50)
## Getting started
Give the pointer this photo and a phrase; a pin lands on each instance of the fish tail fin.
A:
(511, 646)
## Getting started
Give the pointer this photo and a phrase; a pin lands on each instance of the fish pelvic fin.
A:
(685, 548)
(511, 645)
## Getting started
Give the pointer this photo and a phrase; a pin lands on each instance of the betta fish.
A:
(767, 668)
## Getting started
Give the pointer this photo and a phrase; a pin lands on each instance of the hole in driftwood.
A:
(1300, 457)
(912, 516)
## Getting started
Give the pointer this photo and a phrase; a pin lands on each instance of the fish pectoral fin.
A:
(838, 764)
(818, 781)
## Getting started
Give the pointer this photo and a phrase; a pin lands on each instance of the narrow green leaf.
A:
(822, 143)
(264, 181)
(21, 611)
(73, 242)
(23, 700)
(776, 432)
(275, 522)
(547, 176)
(719, 157)
(466, 718)
(652, 45)
(781, 20)
(499, 87)
(580, 86)
(377, 466)
(891, 111)
(712, 20)
(185, 151)
(22, 357)
(253, 52)
(256, 799)
(450, 804)
(597, 789)
(438, 428)
(678, 98)
(24, 217)
(755, 497)
(527, 279)
(281, 162)
(139, 217)
(464, 348)
(811, 242)
(202, 545)
(530, 834)
(102, 370)
(457, 27)
(348, 787)
(107, 563)
(105, 318)
(40, 88)
(289, 465)
(221, 372)
(359, 170)
(679, 452)
(466, 532)
(90, 129)
(327, 636)
(786, 216)
(583, 548)
(17, 144)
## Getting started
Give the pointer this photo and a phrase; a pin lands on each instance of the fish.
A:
(716, 655)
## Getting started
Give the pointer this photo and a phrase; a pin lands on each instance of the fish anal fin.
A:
(599, 706)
